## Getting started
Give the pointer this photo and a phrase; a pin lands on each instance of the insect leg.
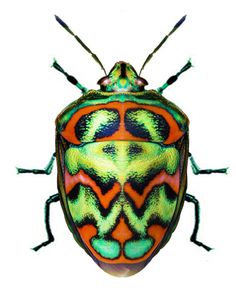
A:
(173, 78)
(196, 170)
(50, 200)
(70, 78)
(47, 170)
(193, 238)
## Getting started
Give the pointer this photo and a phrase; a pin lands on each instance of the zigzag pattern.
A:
(122, 168)
(86, 208)
(121, 183)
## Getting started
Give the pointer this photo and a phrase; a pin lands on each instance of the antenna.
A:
(65, 26)
(162, 42)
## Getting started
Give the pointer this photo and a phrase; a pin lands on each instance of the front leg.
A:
(196, 170)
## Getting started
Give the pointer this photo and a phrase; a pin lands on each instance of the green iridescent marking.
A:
(66, 116)
(149, 122)
(119, 82)
(94, 97)
(137, 248)
(86, 206)
(109, 249)
(157, 206)
(120, 160)
(97, 122)
(121, 164)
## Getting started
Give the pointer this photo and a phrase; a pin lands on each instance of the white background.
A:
(32, 94)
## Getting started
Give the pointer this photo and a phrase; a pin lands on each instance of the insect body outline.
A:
(122, 154)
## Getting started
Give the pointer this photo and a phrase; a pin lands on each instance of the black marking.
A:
(123, 70)
(140, 130)
(109, 149)
(95, 96)
(147, 96)
(170, 193)
(73, 196)
(107, 129)
(74, 192)
(138, 184)
(155, 219)
(104, 184)
(172, 79)
(134, 149)
(72, 79)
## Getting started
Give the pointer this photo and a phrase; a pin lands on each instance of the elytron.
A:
(122, 154)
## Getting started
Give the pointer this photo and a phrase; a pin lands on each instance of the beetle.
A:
(122, 154)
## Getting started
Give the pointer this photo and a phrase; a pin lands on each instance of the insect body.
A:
(122, 156)
(122, 168)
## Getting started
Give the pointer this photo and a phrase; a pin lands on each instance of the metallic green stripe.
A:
(150, 97)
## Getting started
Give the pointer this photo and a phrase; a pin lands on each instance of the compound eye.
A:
(103, 82)
(141, 81)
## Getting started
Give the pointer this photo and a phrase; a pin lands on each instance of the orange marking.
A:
(157, 232)
(122, 231)
(89, 231)
(84, 179)
(161, 178)
(121, 134)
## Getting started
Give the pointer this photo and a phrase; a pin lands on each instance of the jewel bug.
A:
(122, 154)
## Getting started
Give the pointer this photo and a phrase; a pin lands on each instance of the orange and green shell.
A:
(122, 161)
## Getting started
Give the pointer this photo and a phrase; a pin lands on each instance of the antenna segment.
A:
(65, 26)
(177, 25)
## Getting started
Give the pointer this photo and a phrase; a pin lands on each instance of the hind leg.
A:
(50, 200)
(193, 238)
